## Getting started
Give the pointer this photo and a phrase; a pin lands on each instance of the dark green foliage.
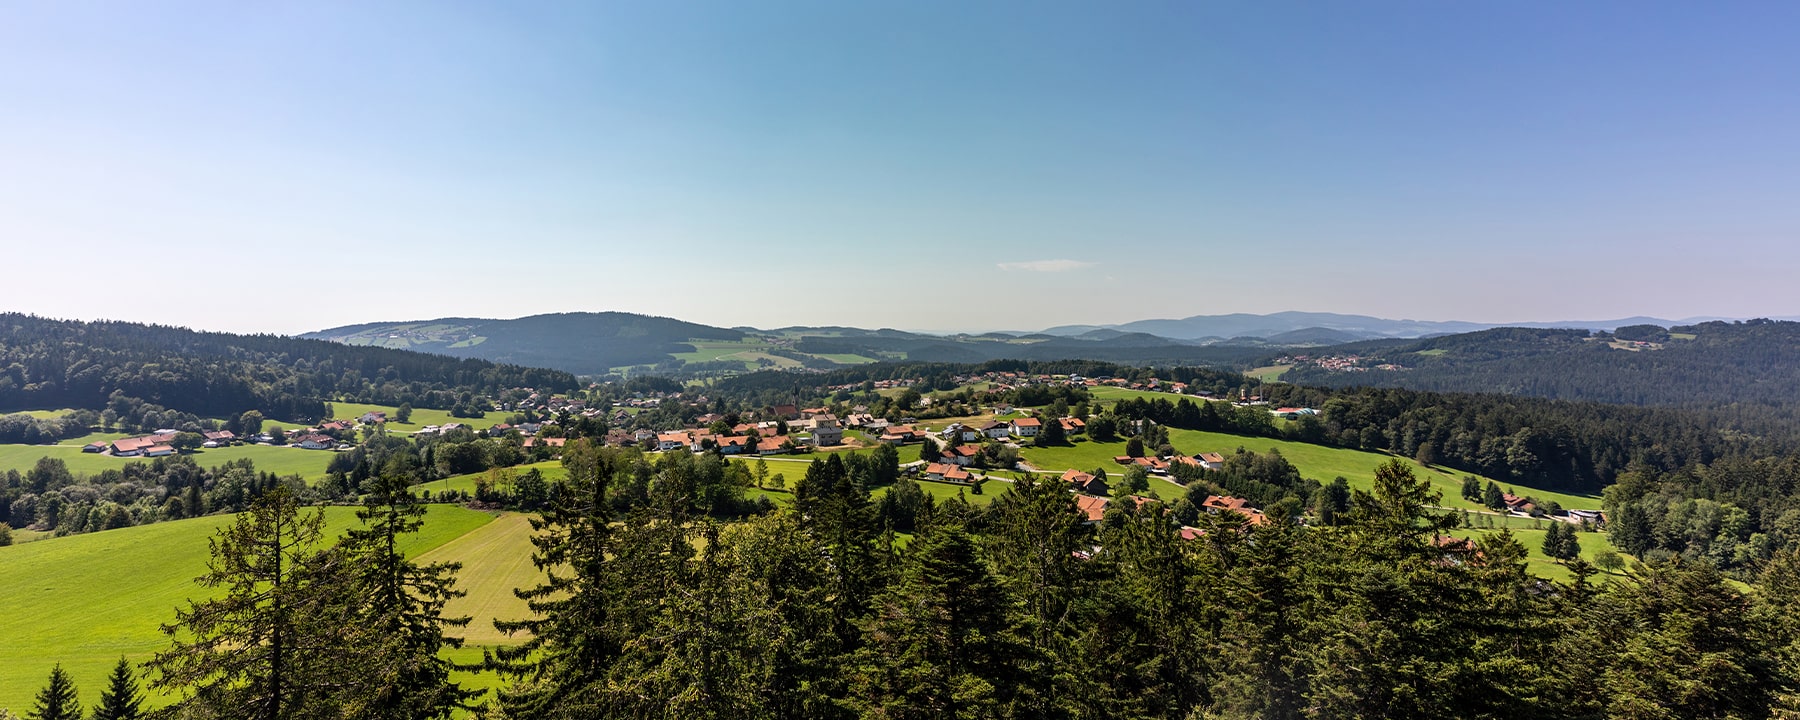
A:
(261, 649)
(57, 701)
(121, 699)
(1560, 542)
(141, 372)
(942, 643)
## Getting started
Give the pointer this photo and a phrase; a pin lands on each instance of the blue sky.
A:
(926, 165)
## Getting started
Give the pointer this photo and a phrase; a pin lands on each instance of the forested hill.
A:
(1753, 363)
(585, 343)
(54, 364)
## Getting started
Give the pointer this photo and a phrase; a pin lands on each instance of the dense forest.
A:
(86, 365)
(661, 605)
(1751, 366)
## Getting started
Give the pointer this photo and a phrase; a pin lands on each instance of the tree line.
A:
(1019, 609)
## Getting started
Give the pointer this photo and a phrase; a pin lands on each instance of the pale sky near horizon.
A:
(292, 166)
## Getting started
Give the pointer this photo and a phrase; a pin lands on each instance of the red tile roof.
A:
(1093, 507)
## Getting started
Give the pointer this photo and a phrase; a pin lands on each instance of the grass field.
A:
(552, 470)
(41, 414)
(92, 437)
(420, 417)
(84, 600)
(308, 464)
(1269, 373)
(496, 558)
(1314, 461)
(1540, 564)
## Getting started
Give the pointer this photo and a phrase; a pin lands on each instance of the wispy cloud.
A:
(1046, 265)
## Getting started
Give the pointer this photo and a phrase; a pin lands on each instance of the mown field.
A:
(551, 469)
(85, 600)
(308, 464)
(1314, 461)
(419, 419)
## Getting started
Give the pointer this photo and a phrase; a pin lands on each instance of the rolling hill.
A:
(1746, 364)
(85, 600)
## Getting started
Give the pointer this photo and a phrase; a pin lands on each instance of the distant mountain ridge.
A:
(1350, 327)
(597, 343)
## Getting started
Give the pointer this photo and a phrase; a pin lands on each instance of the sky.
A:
(292, 166)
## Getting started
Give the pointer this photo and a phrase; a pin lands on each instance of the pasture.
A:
(551, 469)
(85, 600)
(1316, 462)
(419, 419)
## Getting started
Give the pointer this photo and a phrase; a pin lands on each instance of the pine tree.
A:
(271, 646)
(399, 612)
(57, 701)
(573, 640)
(942, 645)
(121, 699)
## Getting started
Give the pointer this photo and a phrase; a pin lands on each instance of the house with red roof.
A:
(1026, 427)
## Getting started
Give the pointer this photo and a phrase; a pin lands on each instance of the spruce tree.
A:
(573, 640)
(267, 647)
(942, 644)
(399, 610)
(121, 699)
(57, 701)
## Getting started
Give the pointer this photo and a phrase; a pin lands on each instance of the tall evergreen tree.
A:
(400, 613)
(272, 645)
(57, 701)
(572, 642)
(941, 643)
(121, 699)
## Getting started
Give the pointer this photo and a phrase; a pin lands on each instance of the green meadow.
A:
(419, 419)
(85, 600)
(308, 464)
(551, 469)
(1317, 462)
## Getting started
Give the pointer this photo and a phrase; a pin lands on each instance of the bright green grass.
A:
(41, 414)
(1110, 395)
(1540, 564)
(1434, 352)
(1314, 461)
(92, 437)
(84, 600)
(845, 358)
(496, 558)
(551, 469)
(24, 457)
(710, 350)
(419, 419)
(308, 464)
(1269, 373)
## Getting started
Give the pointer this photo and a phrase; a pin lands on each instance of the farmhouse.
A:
(773, 446)
(1212, 461)
(827, 432)
(997, 430)
(1026, 427)
(733, 445)
(315, 441)
(1093, 509)
(944, 472)
(962, 455)
(671, 441)
(1072, 425)
(131, 447)
(373, 417)
(1083, 482)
